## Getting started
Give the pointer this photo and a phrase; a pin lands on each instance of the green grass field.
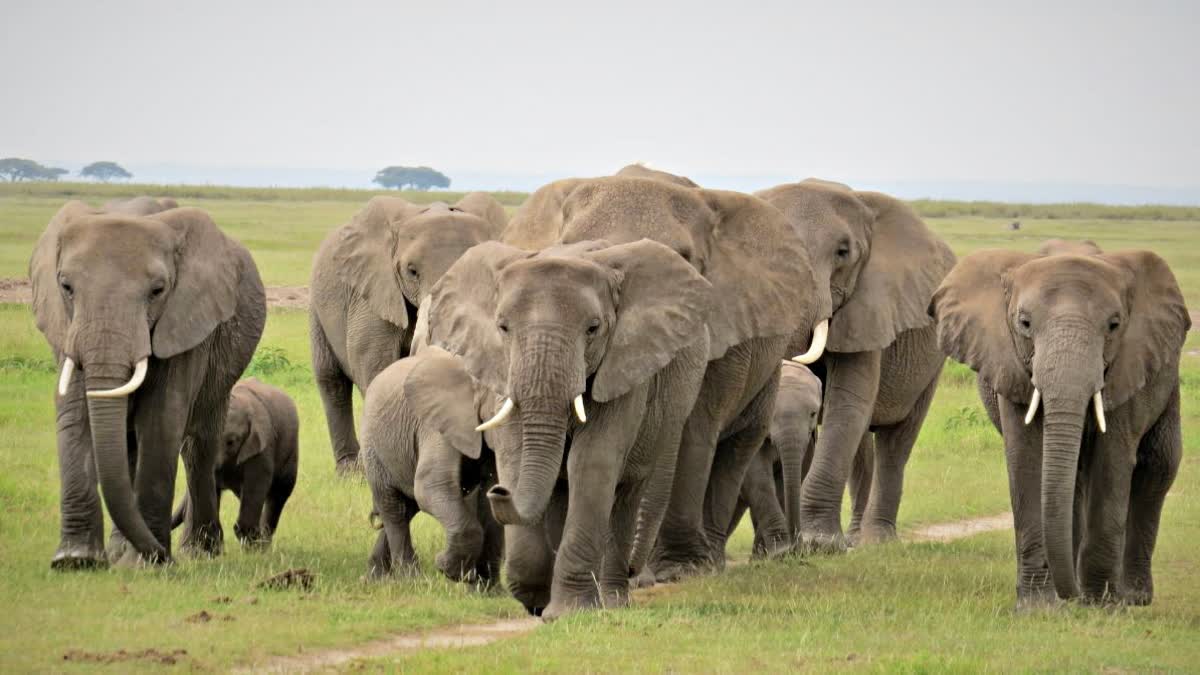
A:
(910, 607)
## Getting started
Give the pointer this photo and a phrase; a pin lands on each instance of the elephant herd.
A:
(591, 394)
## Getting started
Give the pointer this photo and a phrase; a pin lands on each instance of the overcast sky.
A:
(1038, 91)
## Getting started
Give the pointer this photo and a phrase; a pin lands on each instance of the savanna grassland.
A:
(911, 606)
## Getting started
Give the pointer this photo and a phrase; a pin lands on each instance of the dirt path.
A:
(18, 291)
(456, 637)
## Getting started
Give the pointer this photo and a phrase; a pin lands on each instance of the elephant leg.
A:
(851, 385)
(893, 446)
(256, 484)
(337, 397)
(614, 580)
(1023, 455)
(1159, 455)
(1101, 550)
(861, 473)
(739, 512)
(396, 510)
(528, 566)
(491, 555)
(733, 458)
(379, 564)
(771, 534)
(277, 496)
(437, 490)
(81, 536)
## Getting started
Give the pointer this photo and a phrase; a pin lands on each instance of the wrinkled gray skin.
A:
(1086, 503)
(109, 291)
(421, 453)
(771, 489)
(762, 287)
(140, 206)
(620, 326)
(1069, 247)
(369, 277)
(258, 460)
(876, 266)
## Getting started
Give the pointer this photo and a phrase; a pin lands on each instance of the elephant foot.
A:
(349, 467)
(643, 579)
(1037, 599)
(557, 609)
(253, 540)
(670, 571)
(204, 541)
(456, 568)
(75, 556)
(875, 534)
(823, 544)
(1139, 595)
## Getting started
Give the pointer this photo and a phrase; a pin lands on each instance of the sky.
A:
(1015, 92)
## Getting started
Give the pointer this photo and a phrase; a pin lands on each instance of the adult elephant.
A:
(598, 353)
(141, 205)
(368, 279)
(1078, 366)
(876, 266)
(161, 314)
(762, 290)
(1069, 246)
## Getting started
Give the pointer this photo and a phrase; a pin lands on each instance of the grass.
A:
(916, 607)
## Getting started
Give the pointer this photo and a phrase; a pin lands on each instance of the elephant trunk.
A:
(1066, 384)
(793, 444)
(108, 422)
(543, 435)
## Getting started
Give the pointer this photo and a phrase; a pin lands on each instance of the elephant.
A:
(161, 314)
(643, 171)
(876, 264)
(762, 290)
(1052, 339)
(258, 459)
(1067, 246)
(597, 351)
(422, 452)
(140, 206)
(771, 488)
(369, 278)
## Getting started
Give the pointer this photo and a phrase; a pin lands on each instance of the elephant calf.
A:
(771, 488)
(421, 451)
(258, 459)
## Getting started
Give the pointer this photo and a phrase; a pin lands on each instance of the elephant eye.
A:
(412, 272)
(1113, 324)
(156, 291)
(843, 250)
(502, 326)
(67, 289)
(593, 327)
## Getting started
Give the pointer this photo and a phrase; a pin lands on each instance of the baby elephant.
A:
(422, 452)
(771, 488)
(258, 459)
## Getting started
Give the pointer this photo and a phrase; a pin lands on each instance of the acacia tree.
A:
(105, 171)
(415, 177)
(15, 169)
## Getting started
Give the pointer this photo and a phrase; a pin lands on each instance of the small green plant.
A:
(270, 361)
(966, 417)
(26, 365)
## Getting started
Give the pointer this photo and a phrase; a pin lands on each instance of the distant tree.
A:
(15, 169)
(104, 171)
(415, 177)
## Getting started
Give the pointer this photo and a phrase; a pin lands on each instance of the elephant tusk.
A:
(1098, 406)
(139, 375)
(64, 380)
(579, 412)
(820, 335)
(1034, 402)
(499, 417)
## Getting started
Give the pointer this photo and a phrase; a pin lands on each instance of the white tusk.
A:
(579, 409)
(1034, 402)
(1098, 406)
(139, 375)
(820, 335)
(64, 380)
(499, 417)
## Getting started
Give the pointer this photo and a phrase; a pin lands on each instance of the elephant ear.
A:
(539, 222)
(262, 429)
(759, 270)
(462, 312)
(971, 311)
(207, 272)
(49, 310)
(363, 256)
(1155, 329)
(486, 207)
(905, 264)
(441, 393)
(662, 306)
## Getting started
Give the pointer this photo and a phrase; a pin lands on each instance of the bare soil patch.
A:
(961, 529)
(163, 658)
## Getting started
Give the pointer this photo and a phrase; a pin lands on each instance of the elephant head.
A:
(758, 268)
(1064, 334)
(248, 427)
(112, 291)
(1067, 246)
(547, 331)
(643, 171)
(392, 252)
(876, 264)
(794, 430)
(140, 206)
